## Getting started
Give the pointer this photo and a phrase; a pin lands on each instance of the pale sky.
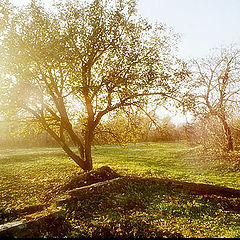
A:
(203, 24)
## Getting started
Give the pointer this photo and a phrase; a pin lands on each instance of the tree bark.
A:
(87, 147)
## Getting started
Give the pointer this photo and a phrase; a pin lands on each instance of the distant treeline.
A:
(122, 131)
(208, 132)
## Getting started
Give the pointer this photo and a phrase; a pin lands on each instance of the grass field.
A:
(28, 175)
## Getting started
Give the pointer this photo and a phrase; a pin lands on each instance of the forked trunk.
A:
(84, 159)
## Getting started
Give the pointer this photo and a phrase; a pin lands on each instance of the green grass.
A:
(36, 171)
(173, 160)
(151, 210)
(27, 175)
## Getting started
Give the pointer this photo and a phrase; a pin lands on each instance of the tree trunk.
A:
(88, 157)
(87, 149)
(85, 159)
(228, 134)
(78, 160)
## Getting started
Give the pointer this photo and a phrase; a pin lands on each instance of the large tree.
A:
(216, 87)
(82, 60)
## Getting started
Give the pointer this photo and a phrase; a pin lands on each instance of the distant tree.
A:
(84, 61)
(216, 88)
(207, 132)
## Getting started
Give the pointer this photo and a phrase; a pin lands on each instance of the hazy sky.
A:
(204, 24)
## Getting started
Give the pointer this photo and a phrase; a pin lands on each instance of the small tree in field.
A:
(84, 60)
(216, 88)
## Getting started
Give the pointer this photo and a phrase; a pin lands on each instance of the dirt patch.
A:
(80, 180)
(98, 175)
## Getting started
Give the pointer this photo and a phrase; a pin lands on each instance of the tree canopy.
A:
(69, 66)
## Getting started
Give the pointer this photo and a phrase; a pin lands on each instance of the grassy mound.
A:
(96, 175)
